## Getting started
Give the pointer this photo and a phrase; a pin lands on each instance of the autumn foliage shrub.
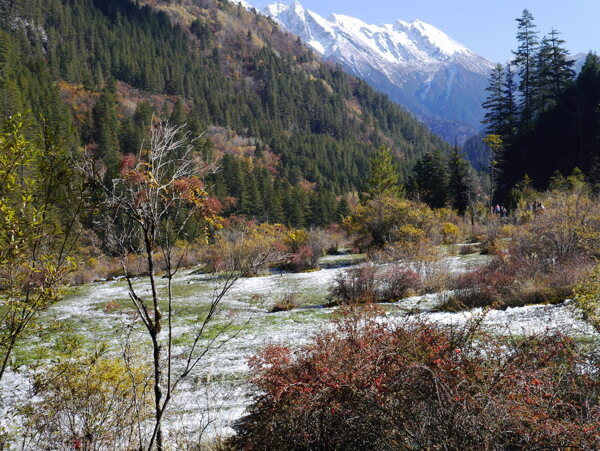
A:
(509, 281)
(288, 301)
(245, 246)
(305, 248)
(370, 283)
(368, 384)
(385, 220)
(90, 402)
(568, 228)
(355, 285)
(587, 298)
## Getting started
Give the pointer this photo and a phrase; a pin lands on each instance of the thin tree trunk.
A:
(157, 396)
(154, 334)
(9, 349)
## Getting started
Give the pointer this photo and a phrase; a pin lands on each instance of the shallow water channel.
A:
(217, 392)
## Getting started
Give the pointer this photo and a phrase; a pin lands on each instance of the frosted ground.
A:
(217, 393)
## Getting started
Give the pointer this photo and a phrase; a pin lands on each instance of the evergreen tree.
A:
(255, 204)
(342, 210)
(525, 61)
(276, 210)
(384, 179)
(560, 70)
(496, 146)
(509, 105)
(554, 71)
(460, 182)
(178, 115)
(494, 118)
(501, 115)
(431, 179)
(319, 213)
(543, 83)
(105, 129)
(128, 142)
(295, 207)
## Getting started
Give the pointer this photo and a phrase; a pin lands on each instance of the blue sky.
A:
(486, 26)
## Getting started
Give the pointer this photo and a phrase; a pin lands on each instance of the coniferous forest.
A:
(545, 114)
(117, 62)
(212, 238)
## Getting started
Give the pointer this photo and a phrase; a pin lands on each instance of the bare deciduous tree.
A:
(156, 206)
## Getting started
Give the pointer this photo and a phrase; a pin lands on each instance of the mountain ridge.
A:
(416, 64)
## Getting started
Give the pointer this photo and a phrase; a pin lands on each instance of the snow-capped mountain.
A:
(416, 64)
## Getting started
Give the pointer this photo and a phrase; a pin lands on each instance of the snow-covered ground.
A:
(218, 391)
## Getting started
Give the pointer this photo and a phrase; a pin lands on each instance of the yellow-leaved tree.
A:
(34, 245)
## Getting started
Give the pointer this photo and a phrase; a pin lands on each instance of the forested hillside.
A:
(298, 132)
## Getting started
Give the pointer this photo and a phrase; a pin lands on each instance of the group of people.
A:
(535, 207)
(500, 210)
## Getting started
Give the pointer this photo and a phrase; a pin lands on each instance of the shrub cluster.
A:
(388, 220)
(368, 384)
(512, 281)
(253, 248)
(89, 401)
(305, 248)
(245, 246)
(371, 283)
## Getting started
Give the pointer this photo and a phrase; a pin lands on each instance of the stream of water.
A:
(218, 392)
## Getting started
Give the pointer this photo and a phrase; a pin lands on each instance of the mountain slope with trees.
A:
(305, 127)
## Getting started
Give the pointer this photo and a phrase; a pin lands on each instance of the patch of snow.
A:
(527, 320)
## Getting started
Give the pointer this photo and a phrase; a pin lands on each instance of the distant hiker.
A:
(538, 207)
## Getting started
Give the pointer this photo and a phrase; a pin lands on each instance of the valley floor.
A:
(217, 394)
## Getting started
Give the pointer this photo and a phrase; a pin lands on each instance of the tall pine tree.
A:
(384, 178)
(493, 104)
(509, 107)
(461, 186)
(525, 61)
(560, 70)
(430, 179)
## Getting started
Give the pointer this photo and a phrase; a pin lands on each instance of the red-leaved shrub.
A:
(369, 384)
(514, 280)
(371, 283)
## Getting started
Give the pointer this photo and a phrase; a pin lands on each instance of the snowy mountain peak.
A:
(402, 44)
(438, 38)
(415, 63)
(275, 9)
(298, 8)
